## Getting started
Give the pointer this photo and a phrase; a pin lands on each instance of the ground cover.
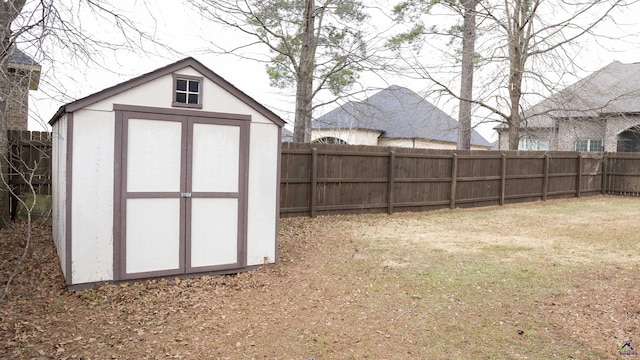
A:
(543, 280)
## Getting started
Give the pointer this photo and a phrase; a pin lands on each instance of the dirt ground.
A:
(533, 281)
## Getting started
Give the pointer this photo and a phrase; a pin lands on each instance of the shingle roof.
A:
(16, 56)
(399, 113)
(287, 136)
(613, 89)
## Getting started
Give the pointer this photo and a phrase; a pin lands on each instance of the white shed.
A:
(173, 172)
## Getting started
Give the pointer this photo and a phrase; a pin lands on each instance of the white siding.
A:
(263, 185)
(159, 93)
(92, 186)
(59, 188)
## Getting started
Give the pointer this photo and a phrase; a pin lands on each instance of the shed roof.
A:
(614, 89)
(205, 71)
(398, 113)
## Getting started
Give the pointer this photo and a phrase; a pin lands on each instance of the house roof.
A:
(205, 71)
(17, 57)
(398, 113)
(19, 60)
(287, 136)
(614, 89)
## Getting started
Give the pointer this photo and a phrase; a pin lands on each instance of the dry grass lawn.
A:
(553, 280)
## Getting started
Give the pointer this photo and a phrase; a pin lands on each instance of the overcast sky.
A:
(183, 30)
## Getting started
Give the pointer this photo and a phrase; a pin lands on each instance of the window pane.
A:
(595, 145)
(543, 145)
(181, 85)
(582, 145)
(194, 86)
(522, 144)
(181, 98)
(193, 98)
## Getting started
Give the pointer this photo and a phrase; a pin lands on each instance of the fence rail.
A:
(326, 179)
(321, 179)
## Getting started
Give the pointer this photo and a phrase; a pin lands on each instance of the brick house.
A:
(25, 73)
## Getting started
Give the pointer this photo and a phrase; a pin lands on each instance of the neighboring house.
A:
(395, 116)
(598, 113)
(25, 74)
(287, 136)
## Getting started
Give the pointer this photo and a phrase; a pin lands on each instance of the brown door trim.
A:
(187, 118)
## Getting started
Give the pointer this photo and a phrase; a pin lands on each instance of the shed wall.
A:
(92, 186)
(263, 186)
(159, 93)
(59, 189)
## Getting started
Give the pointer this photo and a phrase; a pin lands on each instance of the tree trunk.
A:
(9, 10)
(304, 77)
(518, 53)
(466, 85)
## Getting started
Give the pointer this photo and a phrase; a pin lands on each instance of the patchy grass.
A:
(537, 281)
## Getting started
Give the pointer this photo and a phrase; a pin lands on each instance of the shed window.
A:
(187, 91)
(589, 145)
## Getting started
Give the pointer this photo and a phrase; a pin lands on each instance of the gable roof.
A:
(205, 71)
(614, 89)
(398, 113)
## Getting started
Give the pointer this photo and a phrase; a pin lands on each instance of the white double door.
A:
(184, 195)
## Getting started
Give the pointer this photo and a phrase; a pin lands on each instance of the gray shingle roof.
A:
(287, 136)
(16, 56)
(614, 89)
(398, 113)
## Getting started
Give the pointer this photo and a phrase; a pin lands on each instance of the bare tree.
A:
(26, 173)
(52, 32)
(315, 45)
(527, 48)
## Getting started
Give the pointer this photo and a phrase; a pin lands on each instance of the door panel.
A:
(183, 194)
(216, 160)
(153, 235)
(214, 232)
(154, 155)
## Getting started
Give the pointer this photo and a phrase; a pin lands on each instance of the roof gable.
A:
(171, 68)
(399, 113)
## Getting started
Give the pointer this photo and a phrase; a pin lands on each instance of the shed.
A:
(174, 172)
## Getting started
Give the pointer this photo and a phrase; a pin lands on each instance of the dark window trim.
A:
(200, 79)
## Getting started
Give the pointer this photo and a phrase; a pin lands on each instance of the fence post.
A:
(314, 181)
(454, 175)
(604, 174)
(392, 176)
(503, 178)
(545, 179)
(579, 179)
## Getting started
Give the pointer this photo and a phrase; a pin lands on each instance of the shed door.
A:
(184, 195)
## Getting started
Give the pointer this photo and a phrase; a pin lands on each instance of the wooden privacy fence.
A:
(327, 179)
(29, 154)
